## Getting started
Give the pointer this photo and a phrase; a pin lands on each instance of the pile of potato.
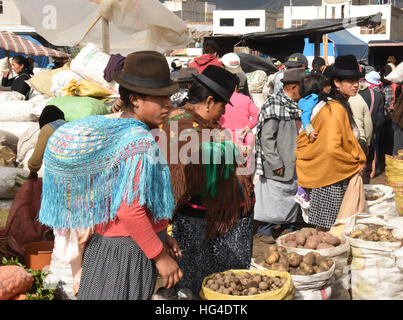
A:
(245, 284)
(374, 233)
(277, 258)
(310, 238)
(372, 197)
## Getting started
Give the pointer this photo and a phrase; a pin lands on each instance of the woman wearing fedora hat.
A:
(101, 174)
(212, 221)
(326, 166)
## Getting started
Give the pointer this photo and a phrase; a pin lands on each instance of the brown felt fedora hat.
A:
(146, 72)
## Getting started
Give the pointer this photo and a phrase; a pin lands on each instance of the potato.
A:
(290, 237)
(307, 232)
(252, 291)
(301, 247)
(284, 261)
(324, 246)
(291, 244)
(294, 259)
(273, 258)
(214, 287)
(257, 278)
(300, 238)
(324, 265)
(308, 270)
(356, 234)
(312, 243)
(282, 250)
(272, 247)
(253, 284)
(329, 239)
(309, 259)
(279, 267)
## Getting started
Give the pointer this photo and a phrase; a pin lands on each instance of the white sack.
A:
(375, 273)
(18, 110)
(90, 64)
(11, 179)
(340, 256)
(10, 96)
(27, 141)
(16, 128)
(396, 76)
(62, 79)
(314, 287)
(385, 207)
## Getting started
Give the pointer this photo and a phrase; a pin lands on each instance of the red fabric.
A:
(136, 222)
(201, 63)
(22, 225)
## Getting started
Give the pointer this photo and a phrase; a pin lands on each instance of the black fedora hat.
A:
(219, 81)
(346, 67)
(146, 72)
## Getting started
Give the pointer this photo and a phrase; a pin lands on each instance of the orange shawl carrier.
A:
(335, 155)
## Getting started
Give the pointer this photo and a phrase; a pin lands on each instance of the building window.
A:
(298, 22)
(252, 22)
(381, 29)
(227, 22)
(342, 12)
(1, 7)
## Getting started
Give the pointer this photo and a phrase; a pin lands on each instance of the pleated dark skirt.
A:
(202, 257)
(115, 268)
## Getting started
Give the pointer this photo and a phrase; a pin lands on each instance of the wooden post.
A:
(105, 36)
(325, 45)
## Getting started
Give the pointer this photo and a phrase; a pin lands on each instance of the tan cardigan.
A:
(35, 162)
(362, 117)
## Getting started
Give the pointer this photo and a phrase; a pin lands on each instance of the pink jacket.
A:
(244, 112)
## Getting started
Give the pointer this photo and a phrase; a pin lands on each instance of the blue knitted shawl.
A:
(95, 163)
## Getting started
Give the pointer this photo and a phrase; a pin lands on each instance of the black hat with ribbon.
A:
(219, 81)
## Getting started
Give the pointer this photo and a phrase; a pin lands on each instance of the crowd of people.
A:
(190, 148)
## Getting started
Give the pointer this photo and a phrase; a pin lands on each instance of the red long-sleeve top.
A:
(137, 222)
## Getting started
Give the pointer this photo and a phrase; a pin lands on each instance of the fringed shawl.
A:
(94, 164)
(220, 189)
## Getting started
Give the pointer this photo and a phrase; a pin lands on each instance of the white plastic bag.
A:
(24, 164)
(375, 266)
(385, 206)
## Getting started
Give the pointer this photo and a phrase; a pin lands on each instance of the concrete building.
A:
(243, 21)
(192, 10)
(10, 18)
(391, 27)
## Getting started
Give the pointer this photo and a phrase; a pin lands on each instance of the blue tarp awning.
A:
(346, 43)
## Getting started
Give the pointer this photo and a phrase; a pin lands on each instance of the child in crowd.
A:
(311, 88)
